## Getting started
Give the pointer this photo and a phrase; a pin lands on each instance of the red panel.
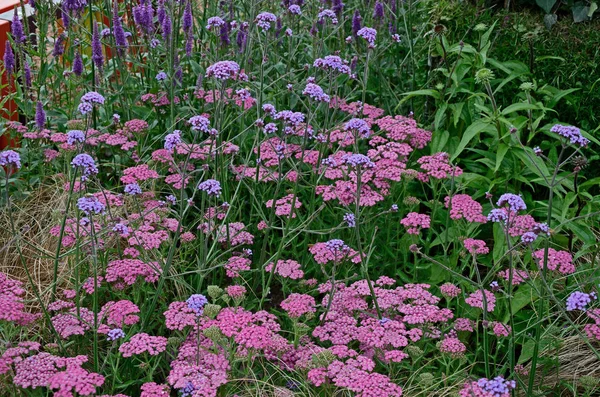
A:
(8, 5)
(9, 110)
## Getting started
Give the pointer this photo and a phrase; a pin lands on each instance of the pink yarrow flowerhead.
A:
(414, 222)
(143, 343)
(476, 247)
(334, 251)
(477, 300)
(297, 305)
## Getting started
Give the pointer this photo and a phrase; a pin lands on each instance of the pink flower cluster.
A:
(283, 206)
(476, 247)
(560, 261)
(463, 206)
(287, 269)
(414, 222)
(11, 306)
(476, 299)
(143, 343)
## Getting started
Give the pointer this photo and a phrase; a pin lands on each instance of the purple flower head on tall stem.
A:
(197, 302)
(189, 44)
(187, 17)
(118, 32)
(27, 71)
(74, 7)
(167, 29)
(10, 157)
(40, 116)
(378, 11)
(224, 34)
(17, 28)
(337, 7)
(242, 37)
(9, 58)
(86, 163)
(78, 64)
(59, 46)
(211, 187)
(161, 12)
(514, 202)
(356, 23)
(66, 19)
(90, 205)
(97, 56)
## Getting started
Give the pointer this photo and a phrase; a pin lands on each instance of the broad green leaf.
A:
(523, 296)
(592, 10)
(470, 133)
(426, 92)
(546, 5)
(550, 20)
(499, 242)
(502, 149)
(516, 107)
(580, 13)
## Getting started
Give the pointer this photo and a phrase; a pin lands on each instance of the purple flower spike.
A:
(9, 58)
(78, 64)
(40, 116)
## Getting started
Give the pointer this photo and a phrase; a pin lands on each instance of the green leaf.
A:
(524, 296)
(427, 92)
(546, 5)
(499, 239)
(502, 149)
(516, 107)
(469, 134)
(550, 20)
(580, 13)
(593, 8)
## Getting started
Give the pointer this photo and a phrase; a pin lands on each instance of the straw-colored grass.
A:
(33, 218)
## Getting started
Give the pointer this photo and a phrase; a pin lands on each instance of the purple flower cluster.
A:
(264, 20)
(333, 63)
(173, 139)
(10, 157)
(358, 125)
(114, 334)
(88, 101)
(578, 301)
(291, 118)
(295, 9)
(214, 22)
(573, 134)
(497, 215)
(199, 123)
(329, 14)
(90, 205)
(197, 302)
(75, 136)
(9, 58)
(211, 187)
(515, 203)
(315, 92)
(223, 70)
(358, 160)
(369, 34)
(497, 387)
(350, 219)
(40, 116)
(87, 163)
(529, 237)
(133, 189)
